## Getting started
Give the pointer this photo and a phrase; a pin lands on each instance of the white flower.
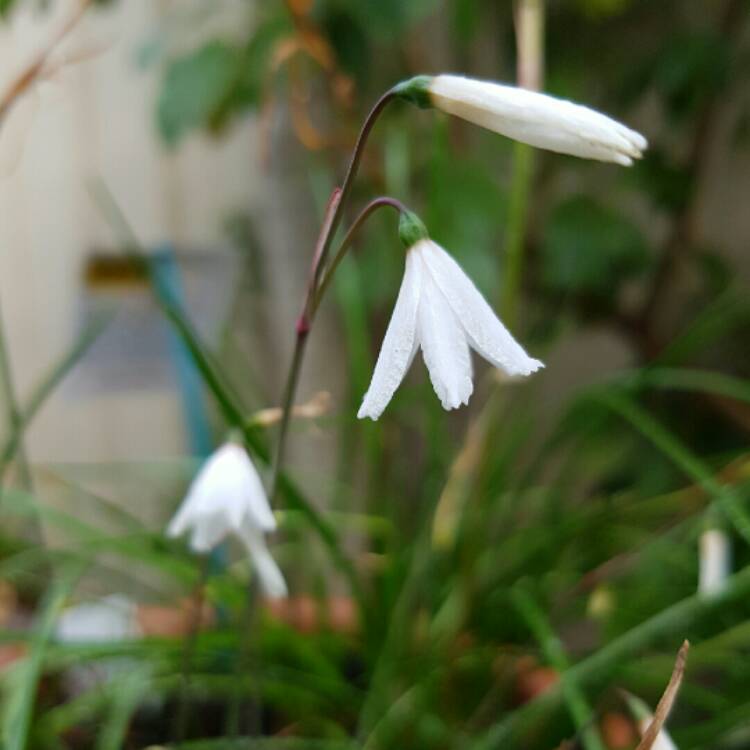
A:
(227, 497)
(108, 620)
(112, 618)
(537, 119)
(715, 558)
(440, 310)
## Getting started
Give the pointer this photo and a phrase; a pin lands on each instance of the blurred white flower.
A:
(663, 741)
(715, 555)
(227, 497)
(643, 716)
(107, 620)
(440, 310)
(530, 117)
(111, 618)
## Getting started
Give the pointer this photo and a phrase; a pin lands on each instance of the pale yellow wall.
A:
(97, 118)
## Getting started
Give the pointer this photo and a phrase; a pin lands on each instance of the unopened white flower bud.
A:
(715, 555)
(528, 116)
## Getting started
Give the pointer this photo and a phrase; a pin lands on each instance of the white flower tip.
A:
(519, 370)
(459, 396)
(367, 409)
(176, 527)
(278, 590)
(715, 561)
(639, 141)
(533, 365)
(537, 119)
(200, 546)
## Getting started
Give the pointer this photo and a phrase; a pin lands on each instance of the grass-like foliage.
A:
(520, 573)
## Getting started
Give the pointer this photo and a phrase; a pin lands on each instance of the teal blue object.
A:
(166, 274)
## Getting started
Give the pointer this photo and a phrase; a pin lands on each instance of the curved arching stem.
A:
(351, 173)
(322, 248)
(330, 270)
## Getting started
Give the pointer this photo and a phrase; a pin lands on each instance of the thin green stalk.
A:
(125, 700)
(580, 711)
(183, 717)
(287, 403)
(529, 23)
(14, 443)
(594, 671)
(399, 625)
(687, 379)
(19, 708)
(13, 417)
(680, 454)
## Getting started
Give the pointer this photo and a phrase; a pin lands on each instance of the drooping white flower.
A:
(715, 553)
(440, 310)
(227, 497)
(529, 117)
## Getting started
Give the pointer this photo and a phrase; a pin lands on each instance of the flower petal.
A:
(270, 577)
(180, 522)
(208, 530)
(226, 493)
(254, 494)
(485, 331)
(399, 345)
(444, 345)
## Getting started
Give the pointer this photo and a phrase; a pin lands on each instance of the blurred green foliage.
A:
(206, 86)
(614, 249)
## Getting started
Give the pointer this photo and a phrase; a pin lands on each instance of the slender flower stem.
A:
(312, 298)
(351, 173)
(14, 415)
(529, 20)
(303, 323)
(290, 389)
(370, 208)
(14, 441)
(182, 717)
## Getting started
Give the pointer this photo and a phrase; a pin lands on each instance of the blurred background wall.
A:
(95, 117)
